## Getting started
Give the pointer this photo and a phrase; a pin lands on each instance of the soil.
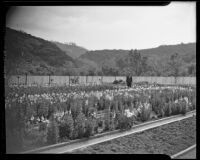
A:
(168, 139)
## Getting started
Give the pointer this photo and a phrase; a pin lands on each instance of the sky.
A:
(108, 27)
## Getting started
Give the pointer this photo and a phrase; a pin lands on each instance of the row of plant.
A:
(74, 115)
(19, 91)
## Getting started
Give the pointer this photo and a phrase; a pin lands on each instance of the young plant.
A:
(145, 113)
(66, 127)
(79, 128)
(52, 132)
(124, 122)
(90, 125)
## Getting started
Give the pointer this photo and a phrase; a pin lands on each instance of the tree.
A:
(174, 64)
(192, 69)
(110, 71)
(121, 63)
(100, 73)
(82, 73)
(135, 62)
(144, 64)
(91, 72)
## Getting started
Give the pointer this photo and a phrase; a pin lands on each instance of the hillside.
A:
(33, 55)
(102, 57)
(25, 53)
(72, 50)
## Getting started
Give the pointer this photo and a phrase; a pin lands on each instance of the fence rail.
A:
(86, 80)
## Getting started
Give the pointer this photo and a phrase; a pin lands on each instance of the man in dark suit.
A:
(129, 80)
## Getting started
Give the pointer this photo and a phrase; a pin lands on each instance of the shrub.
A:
(155, 103)
(42, 126)
(15, 127)
(112, 124)
(79, 128)
(183, 107)
(101, 103)
(96, 126)
(75, 109)
(194, 103)
(14, 141)
(124, 122)
(120, 106)
(100, 123)
(145, 113)
(67, 105)
(66, 127)
(167, 109)
(52, 132)
(40, 138)
(173, 108)
(42, 108)
(179, 107)
(176, 108)
(90, 125)
(108, 121)
(117, 81)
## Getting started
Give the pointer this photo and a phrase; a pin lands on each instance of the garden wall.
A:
(68, 80)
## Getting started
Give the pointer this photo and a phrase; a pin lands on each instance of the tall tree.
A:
(144, 64)
(174, 65)
(135, 62)
(192, 69)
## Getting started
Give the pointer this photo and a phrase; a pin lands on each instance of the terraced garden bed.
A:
(168, 139)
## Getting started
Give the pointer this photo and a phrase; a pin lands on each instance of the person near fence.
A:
(129, 80)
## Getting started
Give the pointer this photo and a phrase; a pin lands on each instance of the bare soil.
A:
(168, 139)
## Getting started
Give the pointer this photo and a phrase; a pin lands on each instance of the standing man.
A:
(129, 80)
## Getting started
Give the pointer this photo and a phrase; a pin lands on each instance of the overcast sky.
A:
(109, 27)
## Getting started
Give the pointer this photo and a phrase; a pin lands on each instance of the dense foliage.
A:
(70, 113)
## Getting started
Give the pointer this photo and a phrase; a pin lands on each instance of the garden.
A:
(41, 116)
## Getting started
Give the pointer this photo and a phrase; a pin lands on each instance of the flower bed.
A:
(66, 113)
(168, 139)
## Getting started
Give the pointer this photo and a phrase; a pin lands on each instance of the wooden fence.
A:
(70, 80)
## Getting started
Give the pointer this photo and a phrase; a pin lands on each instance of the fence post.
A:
(86, 79)
(175, 80)
(26, 79)
(18, 80)
(49, 80)
(69, 80)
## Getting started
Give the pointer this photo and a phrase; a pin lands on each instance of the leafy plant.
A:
(52, 132)
(90, 125)
(125, 122)
(183, 107)
(79, 129)
(194, 103)
(75, 108)
(167, 109)
(145, 113)
(66, 127)
(42, 126)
